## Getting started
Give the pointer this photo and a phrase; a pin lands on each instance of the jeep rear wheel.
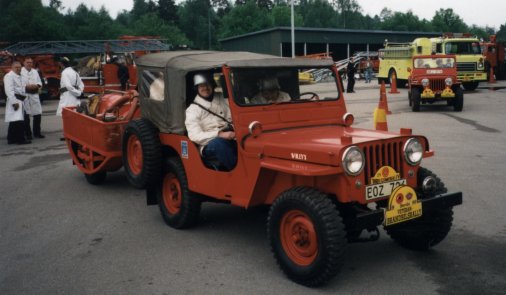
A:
(141, 153)
(307, 236)
(415, 99)
(428, 230)
(458, 103)
(180, 208)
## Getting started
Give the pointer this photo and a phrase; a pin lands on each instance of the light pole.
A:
(293, 31)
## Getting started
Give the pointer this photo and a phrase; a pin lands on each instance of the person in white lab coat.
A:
(71, 87)
(15, 92)
(31, 104)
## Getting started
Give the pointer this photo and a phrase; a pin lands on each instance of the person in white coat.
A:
(31, 104)
(71, 86)
(209, 124)
(15, 92)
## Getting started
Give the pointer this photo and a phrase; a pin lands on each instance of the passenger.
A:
(209, 124)
(439, 63)
(270, 92)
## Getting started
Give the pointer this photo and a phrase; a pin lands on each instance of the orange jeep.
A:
(327, 183)
(434, 78)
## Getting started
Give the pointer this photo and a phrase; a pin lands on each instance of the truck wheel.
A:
(429, 229)
(179, 206)
(415, 99)
(470, 85)
(96, 178)
(141, 153)
(307, 236)
(458, 103)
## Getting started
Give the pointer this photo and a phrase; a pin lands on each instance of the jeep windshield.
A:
(434, 62)
(284, 85)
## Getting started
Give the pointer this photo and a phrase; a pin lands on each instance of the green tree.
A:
(199, 23)
(282, 16)
(501, 34)
(152, 24)
(167, 11)
(446, 20)
(317, 14)
(399, 21)
(347, 10)
(245, 19)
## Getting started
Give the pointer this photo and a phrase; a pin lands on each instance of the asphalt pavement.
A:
(60, 235)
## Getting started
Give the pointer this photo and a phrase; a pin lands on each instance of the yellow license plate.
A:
(403, 205)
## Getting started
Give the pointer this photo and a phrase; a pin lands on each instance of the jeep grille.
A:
(466, 66)
(437, 84)
(382, 154)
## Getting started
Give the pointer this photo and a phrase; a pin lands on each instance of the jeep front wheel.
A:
(307, 236)
(429, 229)
(415, 99)
(180, 208)
(458, 103)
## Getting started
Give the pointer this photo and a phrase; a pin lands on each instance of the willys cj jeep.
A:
(327, 183)
(434, 78)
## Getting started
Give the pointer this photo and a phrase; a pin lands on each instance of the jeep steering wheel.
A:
(313, 96)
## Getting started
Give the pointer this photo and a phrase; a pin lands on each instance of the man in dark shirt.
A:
(350, 69)
(123, 75)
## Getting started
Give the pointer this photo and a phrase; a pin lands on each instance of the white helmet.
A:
(269, 84)
(199, 79)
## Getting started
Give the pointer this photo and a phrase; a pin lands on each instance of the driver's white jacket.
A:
(203, 126)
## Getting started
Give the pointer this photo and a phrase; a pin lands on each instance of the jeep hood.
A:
(319, 145)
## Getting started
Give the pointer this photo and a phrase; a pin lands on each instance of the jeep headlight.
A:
(353, 160)
(425, 82)
(448, 81)
(413, 151)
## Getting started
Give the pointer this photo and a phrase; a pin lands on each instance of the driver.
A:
(270, 92)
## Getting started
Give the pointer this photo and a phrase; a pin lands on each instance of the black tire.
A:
(180, 208)
(469, 86)
(142, 153)
(409, 98)
(458, 101)
(428, 230)
(96, 178)
(293, 211)
(415, 99)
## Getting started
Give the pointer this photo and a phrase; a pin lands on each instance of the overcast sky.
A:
(490, 13)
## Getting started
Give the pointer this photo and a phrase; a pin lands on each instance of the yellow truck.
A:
(396, 58)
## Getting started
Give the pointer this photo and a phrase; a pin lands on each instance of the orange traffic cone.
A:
(393, 84)
(491, 78)
(383, 97)
(380, 116)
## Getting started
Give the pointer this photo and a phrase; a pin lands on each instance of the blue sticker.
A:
(184, 149)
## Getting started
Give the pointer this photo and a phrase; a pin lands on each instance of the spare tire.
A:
(142, 153)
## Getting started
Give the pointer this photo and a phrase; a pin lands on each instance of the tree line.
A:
(200, 24)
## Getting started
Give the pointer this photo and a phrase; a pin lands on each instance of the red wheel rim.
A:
(172, 195)
(134, 153)
(298, 237)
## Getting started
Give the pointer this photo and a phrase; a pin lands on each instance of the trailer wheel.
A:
(458, 103)
(415, 99)
(141, 153)
(307, 236)
(180, 208)
(429, 229)
(96, 178)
